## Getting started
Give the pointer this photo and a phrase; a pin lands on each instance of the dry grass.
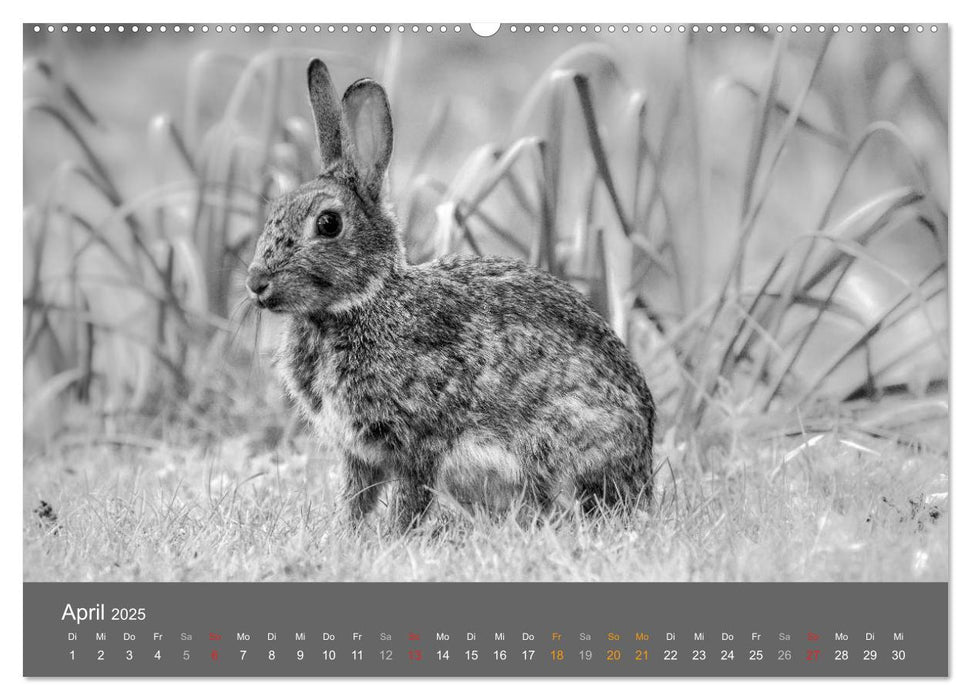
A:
(826, 507)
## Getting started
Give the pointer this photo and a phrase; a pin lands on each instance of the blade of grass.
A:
(599, 54)
(829, 136)
(547, 229)
(852, 252)
(760, 126)
(597, 149)
(71, 96)
(766, 177)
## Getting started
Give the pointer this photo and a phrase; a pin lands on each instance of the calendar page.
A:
(486, 350)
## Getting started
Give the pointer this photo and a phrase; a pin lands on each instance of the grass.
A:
(764, 223)
(825, 507)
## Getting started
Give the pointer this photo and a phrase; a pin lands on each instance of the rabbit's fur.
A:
(482, 377)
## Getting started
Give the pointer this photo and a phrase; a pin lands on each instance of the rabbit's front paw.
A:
(363, 483)
(409, 505)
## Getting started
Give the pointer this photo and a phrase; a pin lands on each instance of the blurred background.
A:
(761, 216)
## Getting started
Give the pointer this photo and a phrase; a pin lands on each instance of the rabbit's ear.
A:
(327, 113)
(368, 133)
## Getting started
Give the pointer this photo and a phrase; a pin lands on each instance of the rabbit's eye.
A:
(329, 224)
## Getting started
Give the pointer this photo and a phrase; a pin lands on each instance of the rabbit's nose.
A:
(258, 281)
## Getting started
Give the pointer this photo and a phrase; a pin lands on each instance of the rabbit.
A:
(480, 377)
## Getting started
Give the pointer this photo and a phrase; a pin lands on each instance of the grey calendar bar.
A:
(486, 629)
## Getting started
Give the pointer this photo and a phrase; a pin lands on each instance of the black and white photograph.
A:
(517, 303)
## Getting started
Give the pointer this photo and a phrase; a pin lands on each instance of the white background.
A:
(386, 11)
